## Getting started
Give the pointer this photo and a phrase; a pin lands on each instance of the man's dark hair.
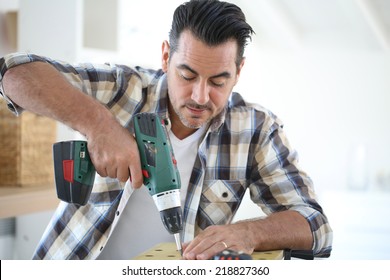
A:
(213, 22)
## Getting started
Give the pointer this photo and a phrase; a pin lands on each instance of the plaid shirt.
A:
(244, 148)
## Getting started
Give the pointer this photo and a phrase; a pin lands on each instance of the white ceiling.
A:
(340, 25)
(292, 24)
(324, 24)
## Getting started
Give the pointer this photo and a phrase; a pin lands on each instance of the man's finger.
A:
(137, 178)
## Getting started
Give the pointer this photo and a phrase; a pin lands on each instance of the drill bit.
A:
(178, 243)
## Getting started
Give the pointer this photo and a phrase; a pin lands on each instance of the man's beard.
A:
(186, 122)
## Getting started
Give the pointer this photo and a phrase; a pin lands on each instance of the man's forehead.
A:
(193, 52)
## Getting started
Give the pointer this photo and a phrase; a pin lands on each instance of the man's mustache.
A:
(197, 106)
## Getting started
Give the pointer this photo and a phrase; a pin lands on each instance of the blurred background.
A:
(322, 66)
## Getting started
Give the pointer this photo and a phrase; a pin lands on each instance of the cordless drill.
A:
(75, 173)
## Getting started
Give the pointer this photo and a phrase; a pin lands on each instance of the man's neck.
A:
(177, 127)
(180, 130)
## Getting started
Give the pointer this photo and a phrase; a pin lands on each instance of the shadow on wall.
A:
(8, 32)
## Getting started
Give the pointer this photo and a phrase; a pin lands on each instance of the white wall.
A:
(335, 106)
(331, 102)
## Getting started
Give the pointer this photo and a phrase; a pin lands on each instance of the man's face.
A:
(200, 80)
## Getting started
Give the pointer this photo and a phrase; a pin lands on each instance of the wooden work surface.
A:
(15, 201)
(168, 251)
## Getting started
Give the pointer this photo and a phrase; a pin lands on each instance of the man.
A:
(224, 146)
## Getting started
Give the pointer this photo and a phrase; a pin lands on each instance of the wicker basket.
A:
(25, 148)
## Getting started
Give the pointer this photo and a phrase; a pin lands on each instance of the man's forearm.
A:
(38, 87)
(282, 230)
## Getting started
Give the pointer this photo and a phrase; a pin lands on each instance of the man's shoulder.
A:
(239, 106)
(250, 115)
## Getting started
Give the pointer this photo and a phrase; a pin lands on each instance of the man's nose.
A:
(201, 93)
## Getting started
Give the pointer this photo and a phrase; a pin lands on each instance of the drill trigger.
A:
(145, 173)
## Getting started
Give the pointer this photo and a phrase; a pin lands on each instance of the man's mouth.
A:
(196, 109)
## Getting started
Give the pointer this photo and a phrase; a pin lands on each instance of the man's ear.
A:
(240, 67)
(165, 56)
(239, 70)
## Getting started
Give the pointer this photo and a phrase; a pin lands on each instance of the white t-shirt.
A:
(140, 227)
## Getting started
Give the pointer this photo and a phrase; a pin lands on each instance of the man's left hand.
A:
(215, 239)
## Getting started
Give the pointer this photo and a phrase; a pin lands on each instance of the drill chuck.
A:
(172, 219)
(168, 203)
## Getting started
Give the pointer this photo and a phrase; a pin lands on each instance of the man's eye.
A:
(217, 84)
(186, 78)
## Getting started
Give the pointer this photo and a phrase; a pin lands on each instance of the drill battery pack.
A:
(74, 171)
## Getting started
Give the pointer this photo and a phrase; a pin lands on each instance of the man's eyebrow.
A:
(224, 74)
(186, 67)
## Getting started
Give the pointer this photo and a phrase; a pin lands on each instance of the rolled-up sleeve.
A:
(280, 184)
(7, 62)
(117, 86)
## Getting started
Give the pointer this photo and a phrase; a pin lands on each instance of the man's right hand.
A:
(114, 153)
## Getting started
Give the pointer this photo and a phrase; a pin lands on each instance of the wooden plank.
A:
(15, 201)
(168, 251)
